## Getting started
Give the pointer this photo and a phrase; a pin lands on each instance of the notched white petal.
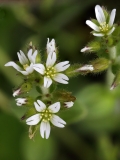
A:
(112, 17)
(61, 78)
(54, 108)
(99, 14)
(47, 82)
(45, 129)
(14, 65)
(24, 58)
(57, 121)
(92, 25)
(62, 66)
(39, 68)
(33, 120)
(51, 59)
(39, 105)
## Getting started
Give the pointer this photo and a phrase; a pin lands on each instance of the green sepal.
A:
(100, 64)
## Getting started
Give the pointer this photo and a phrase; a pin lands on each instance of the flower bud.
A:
(68, 104)
(92, 47)
(21, 101)
(100, 64)
(24, 88)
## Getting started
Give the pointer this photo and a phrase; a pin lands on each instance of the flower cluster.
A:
(41, 75)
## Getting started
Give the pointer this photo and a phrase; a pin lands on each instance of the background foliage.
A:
(93, 130)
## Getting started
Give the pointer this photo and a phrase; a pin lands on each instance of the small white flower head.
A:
(21, 101)
(104, 24)
(26, 63)
(50, 46)
(86, 49)
(86, 68)
(17, 92)
(52, 71)
(45, 117)
(69, 104)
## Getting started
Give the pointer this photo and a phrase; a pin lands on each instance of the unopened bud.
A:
(100, 64)
(21, 101)
(91, 47)
(24, 88)
(86, 49)
(86, 68)
(68, 104)
(17, 92)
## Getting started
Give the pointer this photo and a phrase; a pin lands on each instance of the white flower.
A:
(16, 92)
(69, 104)
(51, 71)
(50, 46)
(86, 68)
(45, 117)
(104, 24)
(26, 66)
(21, 101)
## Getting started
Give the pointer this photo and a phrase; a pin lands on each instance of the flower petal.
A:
(98, 34)
(99, 14)
(57, 121)
(24, 72)
(62, 66)
(30, 69)
(113, 28)
(69, 104)
(39, 68)
(33, 120)
(112, 17)
(51, 59)
(50, 46)
(34, 56)
(30, 55)
(14, 65)
(54, 108)
(92, 25)
(22, 58)
(47, 82)
(45, 129)
(39, 105)
(61, 78)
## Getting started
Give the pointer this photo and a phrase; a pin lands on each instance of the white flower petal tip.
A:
(16, 92)
(50, 46)
(62, 66)
(39, 105)
(45, 129)
(99, 14)
(47, 82)
(39, 68)
(86, 68)
(92, 25)
(86, 49)
(69, 104)
(33, 120)
(21, 101)
(58, 122)
(112, 17)
(111, 31)
(54, 108)
(61, 78)
(98, 34)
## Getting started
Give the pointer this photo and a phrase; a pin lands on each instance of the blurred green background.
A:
(93, 129)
